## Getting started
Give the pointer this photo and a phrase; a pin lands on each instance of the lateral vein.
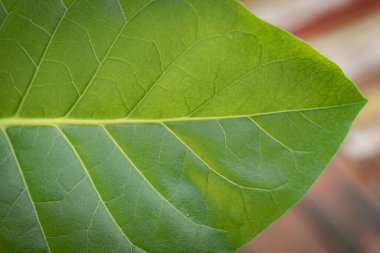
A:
(112, 139)
(39, 65)
(26, 186)
(209, 166)
(67, 140)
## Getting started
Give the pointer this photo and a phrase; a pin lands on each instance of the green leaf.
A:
(157, 126)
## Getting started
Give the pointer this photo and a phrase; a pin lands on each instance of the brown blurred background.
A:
(341, 213)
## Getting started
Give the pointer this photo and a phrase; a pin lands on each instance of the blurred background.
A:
(341, 213)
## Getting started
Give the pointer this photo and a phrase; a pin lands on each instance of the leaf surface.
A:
(157, 126)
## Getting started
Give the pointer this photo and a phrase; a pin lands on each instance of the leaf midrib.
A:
(18, 121)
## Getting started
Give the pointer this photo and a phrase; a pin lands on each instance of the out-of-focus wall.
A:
(341, 214)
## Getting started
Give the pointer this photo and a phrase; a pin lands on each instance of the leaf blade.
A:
(150, 126)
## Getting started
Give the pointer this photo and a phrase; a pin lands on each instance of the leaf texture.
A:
(157, 126)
